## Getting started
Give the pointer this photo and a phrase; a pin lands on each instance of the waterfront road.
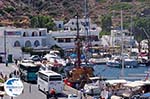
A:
(30, 90)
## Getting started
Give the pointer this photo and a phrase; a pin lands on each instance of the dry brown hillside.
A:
(19, 12)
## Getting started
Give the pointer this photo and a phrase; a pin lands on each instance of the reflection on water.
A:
(103, 70)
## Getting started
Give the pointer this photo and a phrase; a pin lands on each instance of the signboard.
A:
(13, 87)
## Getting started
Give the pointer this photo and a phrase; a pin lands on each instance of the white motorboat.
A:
(130, 63)
(55, 60)
(116, 62)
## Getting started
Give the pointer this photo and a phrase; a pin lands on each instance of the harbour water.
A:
(105, 71)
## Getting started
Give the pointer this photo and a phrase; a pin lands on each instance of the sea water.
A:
(105, 71)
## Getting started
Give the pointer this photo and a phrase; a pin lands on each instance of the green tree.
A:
(43, 22)
(142, 30)
(106, 24)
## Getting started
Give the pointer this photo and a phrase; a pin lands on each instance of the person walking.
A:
(52, 94)
(5, 78)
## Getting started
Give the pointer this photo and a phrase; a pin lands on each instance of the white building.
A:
(38, 38)
(66, 38)
(144, 45)
(16, 38)
(116, 38)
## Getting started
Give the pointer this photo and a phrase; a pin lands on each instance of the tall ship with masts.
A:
(79, 75)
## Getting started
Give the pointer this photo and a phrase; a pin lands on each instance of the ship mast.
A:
(87, 41)
(78, 44)
(122, 46)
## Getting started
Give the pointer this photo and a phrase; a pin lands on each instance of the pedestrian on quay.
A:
(1, 74)
(5, 78)
(52, 94)
(10, 75)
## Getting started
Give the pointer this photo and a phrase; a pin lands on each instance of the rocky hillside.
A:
(19, 12)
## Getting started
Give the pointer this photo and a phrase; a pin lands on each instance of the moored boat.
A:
(116, 62)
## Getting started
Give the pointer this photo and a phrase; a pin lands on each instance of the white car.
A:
(72, 96)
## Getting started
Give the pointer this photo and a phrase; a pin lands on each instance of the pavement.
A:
(6, 70)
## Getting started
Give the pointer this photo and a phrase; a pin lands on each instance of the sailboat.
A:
(124, 60)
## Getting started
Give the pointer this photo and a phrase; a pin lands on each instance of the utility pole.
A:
(5, 52)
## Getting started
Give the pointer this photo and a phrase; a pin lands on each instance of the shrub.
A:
(9, 9)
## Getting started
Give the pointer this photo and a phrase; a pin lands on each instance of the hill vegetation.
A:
(20, 12)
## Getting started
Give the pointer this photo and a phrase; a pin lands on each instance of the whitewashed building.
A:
(116, 38)
(144, 45)
(38, 38)
(65, 38)
(16, 38)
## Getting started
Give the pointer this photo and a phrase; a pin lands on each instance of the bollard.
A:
(11, 97)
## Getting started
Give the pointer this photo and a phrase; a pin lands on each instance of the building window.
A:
(40, 33)
(68, 40)
(93, 28)
(66, 28)
(36, 43)
(60, 40)
(28, 44)
(17, 44)
(25, 34)
(59, 26)
(34, 34)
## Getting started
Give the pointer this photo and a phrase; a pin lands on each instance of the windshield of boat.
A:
(96, 79)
